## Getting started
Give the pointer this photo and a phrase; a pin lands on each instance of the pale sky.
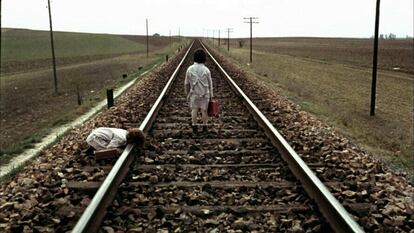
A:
(324, 18)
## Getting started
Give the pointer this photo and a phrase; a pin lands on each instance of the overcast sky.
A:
(327, 18)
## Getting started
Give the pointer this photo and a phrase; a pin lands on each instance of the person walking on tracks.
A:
(198, 88)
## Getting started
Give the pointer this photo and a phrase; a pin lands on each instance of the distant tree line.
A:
(390, 36)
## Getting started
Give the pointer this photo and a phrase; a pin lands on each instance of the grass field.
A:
(20, 45)
(90, 62)
(336, 88)
(29, 50)
(393, 54)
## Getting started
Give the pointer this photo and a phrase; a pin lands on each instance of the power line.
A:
(53, 49)
(251, 22)
(228, 30)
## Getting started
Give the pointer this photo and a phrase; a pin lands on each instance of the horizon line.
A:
(176, 35)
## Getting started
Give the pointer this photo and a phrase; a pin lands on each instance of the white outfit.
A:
(107, 138)
(198, 76)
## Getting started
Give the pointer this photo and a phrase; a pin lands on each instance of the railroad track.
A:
(240, 175)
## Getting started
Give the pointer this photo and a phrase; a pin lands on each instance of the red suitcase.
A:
(213, 108)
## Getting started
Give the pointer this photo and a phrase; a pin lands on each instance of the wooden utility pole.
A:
(228, 30)
(146, 22)
(251, 34)
(219, 38)
(375, 60)
(53, 48)
(179, 36)
(170, 39)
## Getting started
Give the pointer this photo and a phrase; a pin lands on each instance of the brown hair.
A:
(136, 136)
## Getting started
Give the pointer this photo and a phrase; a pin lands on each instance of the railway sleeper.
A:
(212, 133)
(214, 219)
(198, 157)
(209, 173)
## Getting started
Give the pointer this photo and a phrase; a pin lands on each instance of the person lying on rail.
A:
(198, 88)
(103, 138)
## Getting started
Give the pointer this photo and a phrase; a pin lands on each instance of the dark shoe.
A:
(194, 128)
(205, 129)
(89, 151)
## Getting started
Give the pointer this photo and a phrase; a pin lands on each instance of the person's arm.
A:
(115, 143)
(210, 84)
(187, 83)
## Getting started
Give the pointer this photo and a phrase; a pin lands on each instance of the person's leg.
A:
(204, 116)
(194, 112)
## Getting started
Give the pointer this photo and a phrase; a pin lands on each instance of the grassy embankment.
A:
(18, 45)
(91, 62)
(331, 79)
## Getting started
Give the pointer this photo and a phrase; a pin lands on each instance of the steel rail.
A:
(96, 210)
(338, 218)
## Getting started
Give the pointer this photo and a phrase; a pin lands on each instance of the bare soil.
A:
(28, 103)
(14, 67)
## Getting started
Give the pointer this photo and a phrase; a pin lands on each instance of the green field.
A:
(20, 45)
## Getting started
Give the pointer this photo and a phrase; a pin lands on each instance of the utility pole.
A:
(146, 22)
(53, 48)
(179, 38)
(251, 34)
(170, 39)
(213, 35)
(219, 38)
(228, 30)
(375, 60)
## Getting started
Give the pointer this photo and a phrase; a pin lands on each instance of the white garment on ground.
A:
(107, 138)
(198, 76)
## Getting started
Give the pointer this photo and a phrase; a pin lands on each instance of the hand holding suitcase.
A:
(213, 108)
